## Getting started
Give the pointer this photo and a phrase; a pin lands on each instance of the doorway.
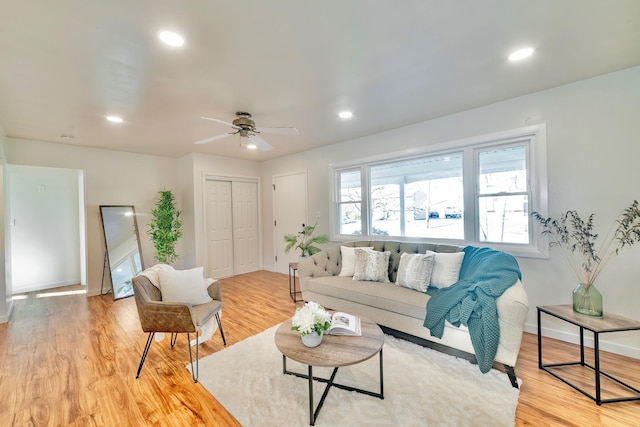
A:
(46, 227)
(289, 213)
(231, 226)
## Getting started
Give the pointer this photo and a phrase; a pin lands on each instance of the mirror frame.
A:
(109, 251)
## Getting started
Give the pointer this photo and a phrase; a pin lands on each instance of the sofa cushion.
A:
(385, 296)
(371, 265)
(415, 271)
(349, 260)
(446, 269)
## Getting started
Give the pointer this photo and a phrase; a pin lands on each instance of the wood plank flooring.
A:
(69, 360)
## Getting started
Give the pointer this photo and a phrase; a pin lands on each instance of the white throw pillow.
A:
(349, 259)
(446, 269)
(372, 266)
(183, 286)
(414, 271)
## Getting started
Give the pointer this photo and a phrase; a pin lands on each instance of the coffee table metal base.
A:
(313, 412)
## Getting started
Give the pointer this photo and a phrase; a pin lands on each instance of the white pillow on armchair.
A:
(184, 286)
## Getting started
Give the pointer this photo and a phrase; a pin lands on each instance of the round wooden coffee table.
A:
(334, 352)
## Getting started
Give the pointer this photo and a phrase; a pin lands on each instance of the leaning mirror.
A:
(123, 257)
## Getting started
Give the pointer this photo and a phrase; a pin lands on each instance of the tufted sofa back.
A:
(328, 262)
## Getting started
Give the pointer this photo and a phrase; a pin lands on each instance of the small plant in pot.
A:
(305, 241)
(577, 240)
(165, 228)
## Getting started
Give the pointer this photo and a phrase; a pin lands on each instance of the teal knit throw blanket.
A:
(484, 275)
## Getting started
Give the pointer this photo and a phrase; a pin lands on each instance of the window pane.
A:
(350, 203)
(350, 218)
(503, 170)
(350, 186)
(385, 210)
(425, 195)
(504, 219)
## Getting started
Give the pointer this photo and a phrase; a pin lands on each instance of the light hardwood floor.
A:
(71, 360)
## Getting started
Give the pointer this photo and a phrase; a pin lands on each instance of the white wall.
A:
(44, 227)
(111, 178)
(593, 146)
(6, 292)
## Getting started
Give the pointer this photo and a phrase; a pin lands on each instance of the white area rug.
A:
(422, 387)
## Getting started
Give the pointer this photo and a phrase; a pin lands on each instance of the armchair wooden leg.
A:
(145, 352)
(194, 372)
(220, 326)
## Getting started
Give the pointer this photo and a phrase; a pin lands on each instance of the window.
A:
(479, 191)
(350, 202)
(503, 194)
(419, 197)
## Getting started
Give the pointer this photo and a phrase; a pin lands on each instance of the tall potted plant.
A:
(577, 239)
(305, 241)
(166, 227)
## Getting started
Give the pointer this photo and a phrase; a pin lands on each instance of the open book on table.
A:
(344, 324)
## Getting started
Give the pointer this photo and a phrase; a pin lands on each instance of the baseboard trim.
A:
(5, 318)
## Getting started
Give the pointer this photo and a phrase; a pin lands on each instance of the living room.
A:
(591, 144)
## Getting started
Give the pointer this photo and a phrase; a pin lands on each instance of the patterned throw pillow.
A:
(372, 266)
(414, 271)
(349, 259)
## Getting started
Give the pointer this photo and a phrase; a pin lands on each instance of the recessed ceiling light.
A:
(171, 38)
(345, 114)
(252, 146)
(115, 119)
(521, 54)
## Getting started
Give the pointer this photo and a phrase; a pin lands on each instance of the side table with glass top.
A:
(608, 323)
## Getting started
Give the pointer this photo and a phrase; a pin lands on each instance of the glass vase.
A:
(587, 300)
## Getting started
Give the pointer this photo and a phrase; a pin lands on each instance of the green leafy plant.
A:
(305, 241)
(166, 227)
(577, 240)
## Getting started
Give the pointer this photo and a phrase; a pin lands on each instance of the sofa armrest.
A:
(513, 307)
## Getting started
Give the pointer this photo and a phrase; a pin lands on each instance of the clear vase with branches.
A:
(577, 240)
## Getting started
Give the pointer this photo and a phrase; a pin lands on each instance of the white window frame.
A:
(535, 139)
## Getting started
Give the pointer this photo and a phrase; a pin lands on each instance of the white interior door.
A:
(290, 212)
(219, 229)
(245, 226)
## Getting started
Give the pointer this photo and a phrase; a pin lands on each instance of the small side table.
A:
(293, 292)
(609, 323)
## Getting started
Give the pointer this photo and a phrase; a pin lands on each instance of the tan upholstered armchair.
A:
(157, 315)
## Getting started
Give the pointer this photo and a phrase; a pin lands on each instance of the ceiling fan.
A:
(246, 127)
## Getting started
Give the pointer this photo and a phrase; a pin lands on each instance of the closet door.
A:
(219, 229)
(245, 227)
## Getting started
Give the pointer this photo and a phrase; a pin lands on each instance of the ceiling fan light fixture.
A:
(252, 146)
(170, 38)
(344, 115)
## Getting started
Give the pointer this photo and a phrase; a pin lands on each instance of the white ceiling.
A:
(65, 65)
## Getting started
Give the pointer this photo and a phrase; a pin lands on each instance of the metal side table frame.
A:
(610, 323)
(313, 412)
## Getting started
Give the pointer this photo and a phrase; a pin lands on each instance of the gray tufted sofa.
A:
(401, 309)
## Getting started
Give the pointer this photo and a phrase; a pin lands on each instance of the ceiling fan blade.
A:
(260, 143)
(279, 130)
(212, 138)
(219, 121)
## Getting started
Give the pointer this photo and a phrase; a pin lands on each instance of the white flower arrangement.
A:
(311, 317)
